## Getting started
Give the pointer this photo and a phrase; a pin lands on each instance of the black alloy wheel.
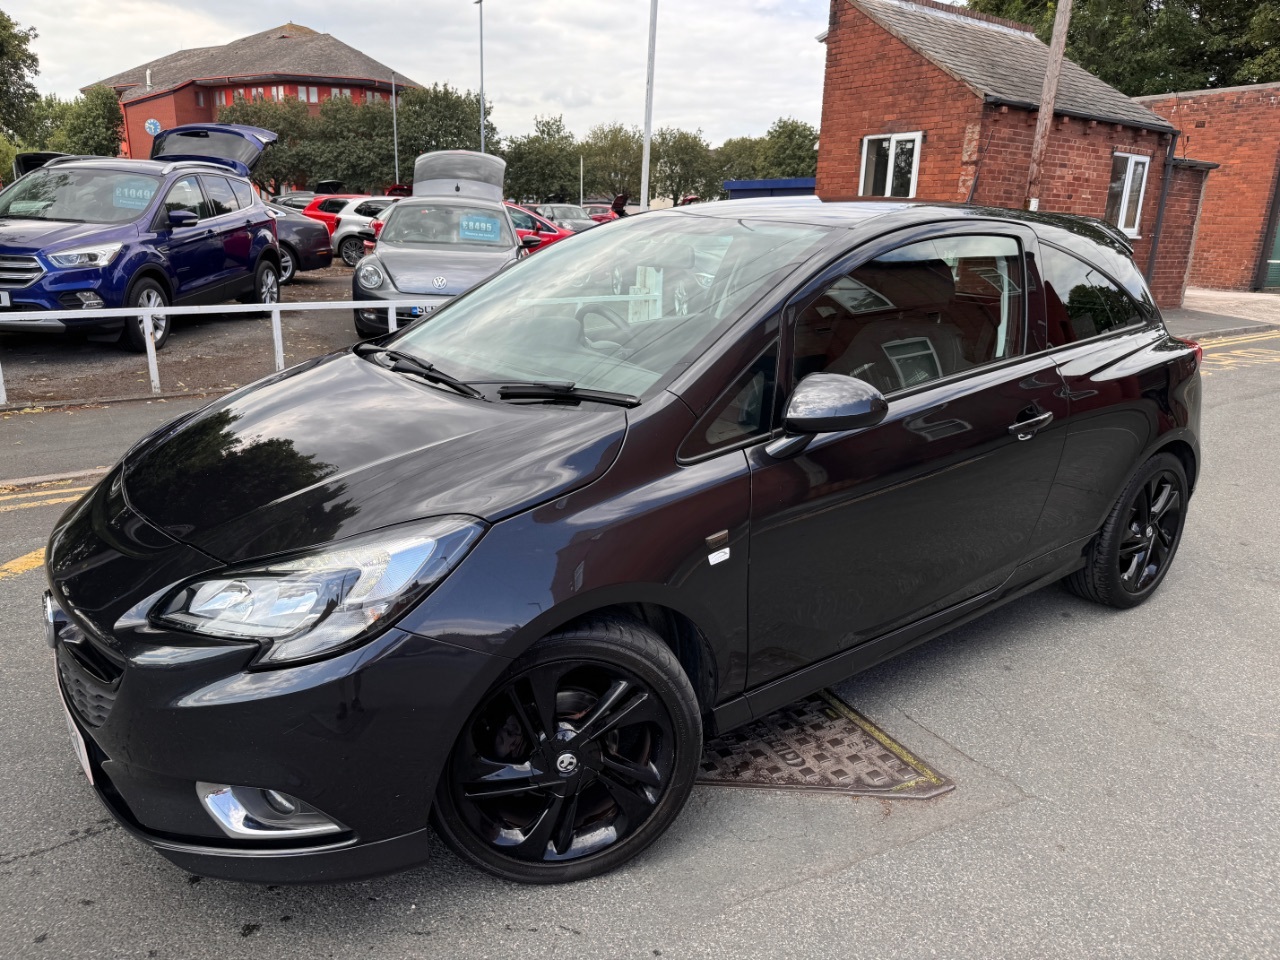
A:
(351, 251)
(1139, 539)
(576, 760)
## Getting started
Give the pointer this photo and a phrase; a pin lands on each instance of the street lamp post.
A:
(648, 108)
(395, 129)
(480, 4)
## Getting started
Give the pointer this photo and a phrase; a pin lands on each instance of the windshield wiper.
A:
(563, 391)
(406, 363)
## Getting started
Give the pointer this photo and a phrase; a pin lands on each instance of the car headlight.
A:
(370, 276)
(318, 602)
(96, 256)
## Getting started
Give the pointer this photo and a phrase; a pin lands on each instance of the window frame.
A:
(1134, 232)
(774, 339)
(894, 139)
(866, 251)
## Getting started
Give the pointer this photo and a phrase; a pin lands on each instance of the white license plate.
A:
(77, 741)
(4, 298)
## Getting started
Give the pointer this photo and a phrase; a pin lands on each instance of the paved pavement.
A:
(1117, 789)
(1216, 313)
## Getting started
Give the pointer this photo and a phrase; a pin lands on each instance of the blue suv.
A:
(185, 227)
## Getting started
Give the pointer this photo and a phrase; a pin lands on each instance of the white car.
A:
(354, 217)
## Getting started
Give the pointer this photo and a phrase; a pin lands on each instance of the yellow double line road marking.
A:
(39, 498)
(24, 563)
(1213, 344)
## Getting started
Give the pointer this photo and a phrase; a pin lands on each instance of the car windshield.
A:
(614, 310)
(435, 223)
(565, 212)
(85, 196)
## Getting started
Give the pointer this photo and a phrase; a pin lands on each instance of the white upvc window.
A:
(277, 92)
(890, 165)
(313, 94)
(1127, 191)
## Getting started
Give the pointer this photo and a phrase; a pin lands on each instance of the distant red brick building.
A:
(927, 100)
(1238, 247)
(190, 86)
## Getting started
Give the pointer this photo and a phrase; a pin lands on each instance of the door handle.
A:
(1026, 429)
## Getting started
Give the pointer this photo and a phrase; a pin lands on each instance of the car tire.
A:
(288, 264)
(1137, 543)
(266, 288)
(603, 726)
(351, 250)
(146, 292)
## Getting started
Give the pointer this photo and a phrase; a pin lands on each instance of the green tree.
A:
(45, 118)
(352, 143)
(740, 158)
(1157, 46)
(18, 67)
(287, 161)
(543, 163)
(440, 117)
(681, 163)
(788, 149)
(611, 155)
(7, 152)
(92, 124)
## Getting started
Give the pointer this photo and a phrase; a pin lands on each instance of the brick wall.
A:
(1238, 128)
(1183, 217)
(876, 84)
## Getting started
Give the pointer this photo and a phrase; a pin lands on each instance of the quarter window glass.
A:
(243, 192)
(1080, 302)
(522, 220)
(332, 206)
(186, 195)
(743, 411)
(917, 314)
(370, 208)
(221, 198)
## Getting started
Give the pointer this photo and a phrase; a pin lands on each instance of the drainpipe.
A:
(1169, 156)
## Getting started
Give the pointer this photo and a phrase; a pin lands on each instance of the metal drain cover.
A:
(819, 743)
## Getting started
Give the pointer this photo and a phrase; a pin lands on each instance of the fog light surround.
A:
(90, 300)
(256, 813)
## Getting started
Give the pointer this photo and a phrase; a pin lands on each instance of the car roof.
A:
(856, 213)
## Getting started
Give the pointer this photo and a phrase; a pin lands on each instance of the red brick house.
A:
(1238, 246)
(190, 86)
(922, 99)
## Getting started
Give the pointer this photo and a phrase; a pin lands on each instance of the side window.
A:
(185, 195)
(221, 197)
(916, 314)
(370, 208)
(522, 220)
(243, 192)
(333, 206)
(1080, 302)
(741, 412)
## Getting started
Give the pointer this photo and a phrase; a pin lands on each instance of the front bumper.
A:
(59, 290)
(362, 737)
(373, 320)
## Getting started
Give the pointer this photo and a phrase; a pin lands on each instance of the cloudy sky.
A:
(729, 67)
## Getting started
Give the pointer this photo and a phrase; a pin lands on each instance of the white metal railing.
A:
(146, 315)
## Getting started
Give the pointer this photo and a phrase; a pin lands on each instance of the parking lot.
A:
(204, 353)
(1115, 778)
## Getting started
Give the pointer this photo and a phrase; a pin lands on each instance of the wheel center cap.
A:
(566, 763)
(1150, 531)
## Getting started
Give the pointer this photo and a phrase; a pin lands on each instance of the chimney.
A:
(148, 78)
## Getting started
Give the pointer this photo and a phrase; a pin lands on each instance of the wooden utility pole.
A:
(1048, 94)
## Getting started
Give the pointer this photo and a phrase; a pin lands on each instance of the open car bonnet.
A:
(232, 145)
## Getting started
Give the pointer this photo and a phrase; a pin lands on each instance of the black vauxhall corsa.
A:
(503, 570)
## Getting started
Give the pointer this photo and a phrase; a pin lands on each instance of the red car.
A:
(325, 208)
(531, 225)
(600, 212)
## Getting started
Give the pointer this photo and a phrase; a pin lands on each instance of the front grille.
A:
(89, 681)
(19, 271)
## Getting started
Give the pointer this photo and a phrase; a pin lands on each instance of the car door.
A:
(191, 251)
(867, 531)
(232, 240)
